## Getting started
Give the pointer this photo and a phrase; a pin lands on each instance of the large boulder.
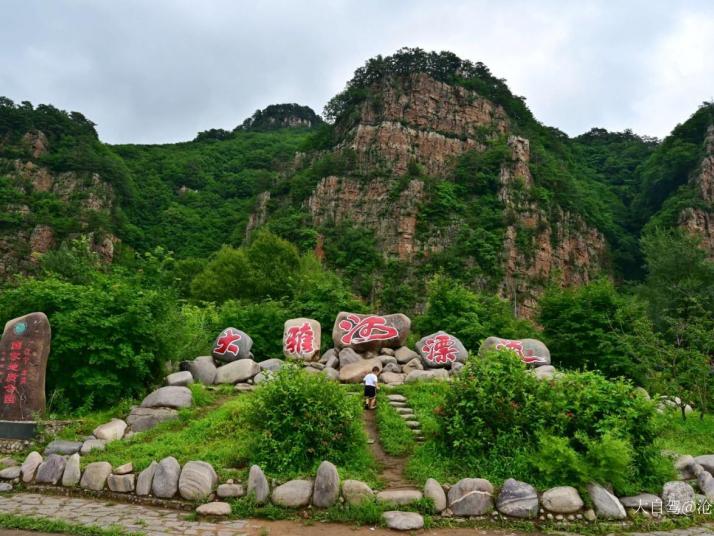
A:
(62, 446)
(198, 480)
(403, 520)
(471, 497)
(677, 497)
(327, 486)
(427, 375)
(166, 478)
(181, 378)
(145, 479)
(348, 356)
(292, 494)
(72, 472)
(232, 344)
(110, 431)
(607, 506)
(370, 332)
(356, 492)
(51, 470)
(531, 351)
(143, 419)
(355, 372)
(517, 499)
(441, 350)
(258, 485)
(169, 397)
(30, 465)
(203, 369)
(95, 476)
(301, 339)
(434, 491)
(237, 371)
(562, 500)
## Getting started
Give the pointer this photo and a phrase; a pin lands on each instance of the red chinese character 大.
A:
(16, 345)
(226, 343)
(299, 340)
(440, 349)
(372, 328)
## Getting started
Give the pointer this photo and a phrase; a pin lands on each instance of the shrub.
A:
(299, 419)
(262, 321)
(574, 430)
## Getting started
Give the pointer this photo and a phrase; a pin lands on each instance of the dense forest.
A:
(215, 231)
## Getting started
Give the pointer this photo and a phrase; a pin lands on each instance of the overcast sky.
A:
(153, 71)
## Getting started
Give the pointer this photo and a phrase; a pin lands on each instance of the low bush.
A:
(579, 428)
(300, 419)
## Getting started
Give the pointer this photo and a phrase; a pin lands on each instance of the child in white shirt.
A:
(370, 389)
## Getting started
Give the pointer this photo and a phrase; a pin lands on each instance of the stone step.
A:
(398, 404)
(413, 424)
(396, 398)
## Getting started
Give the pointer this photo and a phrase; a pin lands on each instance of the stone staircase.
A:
(401, 405)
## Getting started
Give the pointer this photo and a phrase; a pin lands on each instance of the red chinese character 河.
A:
(299, 340)
(440, 349)
(226, 343)
(372, 328)
(10, 396)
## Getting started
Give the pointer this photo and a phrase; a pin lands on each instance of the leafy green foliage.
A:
(301, 419)
(394, 435)
(278, 116)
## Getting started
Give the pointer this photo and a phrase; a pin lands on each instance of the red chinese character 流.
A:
(440, 349)
(299, 340)
(372, 328)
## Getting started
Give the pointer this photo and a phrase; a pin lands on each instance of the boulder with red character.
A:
(531, 351)
(301, 339)
(441, 350)
(370, 333)
(232, 344)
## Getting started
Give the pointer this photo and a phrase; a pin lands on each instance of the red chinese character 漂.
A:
(226, 343)
(299, 340)
(440, 349)
(372, 328)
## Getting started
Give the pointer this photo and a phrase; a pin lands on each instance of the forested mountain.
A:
(427, 164)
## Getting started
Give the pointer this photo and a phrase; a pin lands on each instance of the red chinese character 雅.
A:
(372, 328)
(440, 349)
(11, 377)
(226, 343)
(299, 340)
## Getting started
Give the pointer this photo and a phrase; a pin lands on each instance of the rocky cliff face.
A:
(38, 197)
(699, 220)
(420, 120)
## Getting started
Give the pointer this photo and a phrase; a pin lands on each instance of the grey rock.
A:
(51, 470)
(198, 480)
(244, 387)
(356, 492)
(215, 509)
(531, 351)
(226, 491)
(327, 486)
(95, 476)
(645, 501)
(124, 469)
(328, 355)
(518, 499)
(232, 344)
(182, 378)
(92, 444)
(273, 365)
(414, 364)
(5, 487)
(441, 349)
(121, 483)
(545, 372)
(292, 494)
(169, 397)
(30, 465)
(347, 356)
(203, 369)
(404, 355)
(706, 461)
(110, 431)
(411, 424)
(471, 497)
(403, 520)
(434, 491)
(261, 377)
(387, 351)
(607, 506)
(391, 367)
(332, 374)
(705, 481)
(388, 359)
(562, 500)
(72, 472)
(456, 368)
(62, 446)
(237, 371)
(11, 473)
(258, 485)
(143, 419)
(399, 496)
(427, 375)
(333, 362)
(166, 478)
(355, 372)
(392, 378)
(678, 498)
(145, 479)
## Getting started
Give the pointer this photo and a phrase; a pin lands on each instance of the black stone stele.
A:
(18, 429)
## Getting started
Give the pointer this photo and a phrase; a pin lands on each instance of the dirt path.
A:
(391, 468)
